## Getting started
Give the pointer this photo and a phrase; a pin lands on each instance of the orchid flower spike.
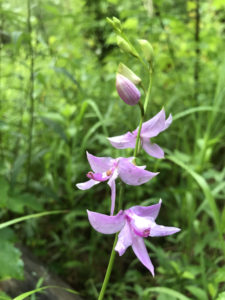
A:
(108, 169)
(133, 224)
(149, 130)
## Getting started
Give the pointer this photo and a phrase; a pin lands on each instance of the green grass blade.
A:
(208, 195)
(194, 110)
(32, 216)
(99, 115)
(166, 291)
(27, 294)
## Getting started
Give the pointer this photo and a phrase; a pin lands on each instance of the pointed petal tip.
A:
(155, 174)
(119, 251)
(87, 153)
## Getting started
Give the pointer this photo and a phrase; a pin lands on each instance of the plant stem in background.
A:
(31, 95)
(113, 253)
(168, 41)
(1, 45)
(197, 49)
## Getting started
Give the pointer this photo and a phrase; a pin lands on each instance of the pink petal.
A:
(87, 185)
(124, 141)
(124, 239)
(168, 121)
(131, 174)
(151, 211)
(112, 185)
(159, 230)
(140, 250)
(154, 126)
(100, 164)
(106, 224)
(152, 149)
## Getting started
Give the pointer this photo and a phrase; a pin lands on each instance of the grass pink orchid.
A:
(108, 169)
(133, 224)
(149, 129)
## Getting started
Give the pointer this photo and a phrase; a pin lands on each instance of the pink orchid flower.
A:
(134, 224)
(149, 130)
(108, 169)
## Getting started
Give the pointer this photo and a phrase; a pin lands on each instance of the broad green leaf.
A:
(221, 296)
(197, 292)
(10, 261)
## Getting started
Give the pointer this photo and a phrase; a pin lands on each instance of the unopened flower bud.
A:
(128, 73)
(127, 90)
(117, 23)
(124, 45)
(147, 50)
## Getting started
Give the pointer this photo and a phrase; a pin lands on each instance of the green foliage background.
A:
(58, 62)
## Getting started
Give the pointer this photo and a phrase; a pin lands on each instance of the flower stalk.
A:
(143, 111)
(113, 252)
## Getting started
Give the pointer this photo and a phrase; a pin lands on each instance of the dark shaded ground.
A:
(33, 271)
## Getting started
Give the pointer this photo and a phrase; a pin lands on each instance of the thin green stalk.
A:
(31, 92)
(143, 111)
(113, 253)
(147, 99)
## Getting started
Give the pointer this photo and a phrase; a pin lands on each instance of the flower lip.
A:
(139, 225)
(98, 176)
(142, 233)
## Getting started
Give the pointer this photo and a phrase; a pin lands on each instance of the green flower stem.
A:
(147, 99)
(113, 253)
(138, 140)
(143, 111)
